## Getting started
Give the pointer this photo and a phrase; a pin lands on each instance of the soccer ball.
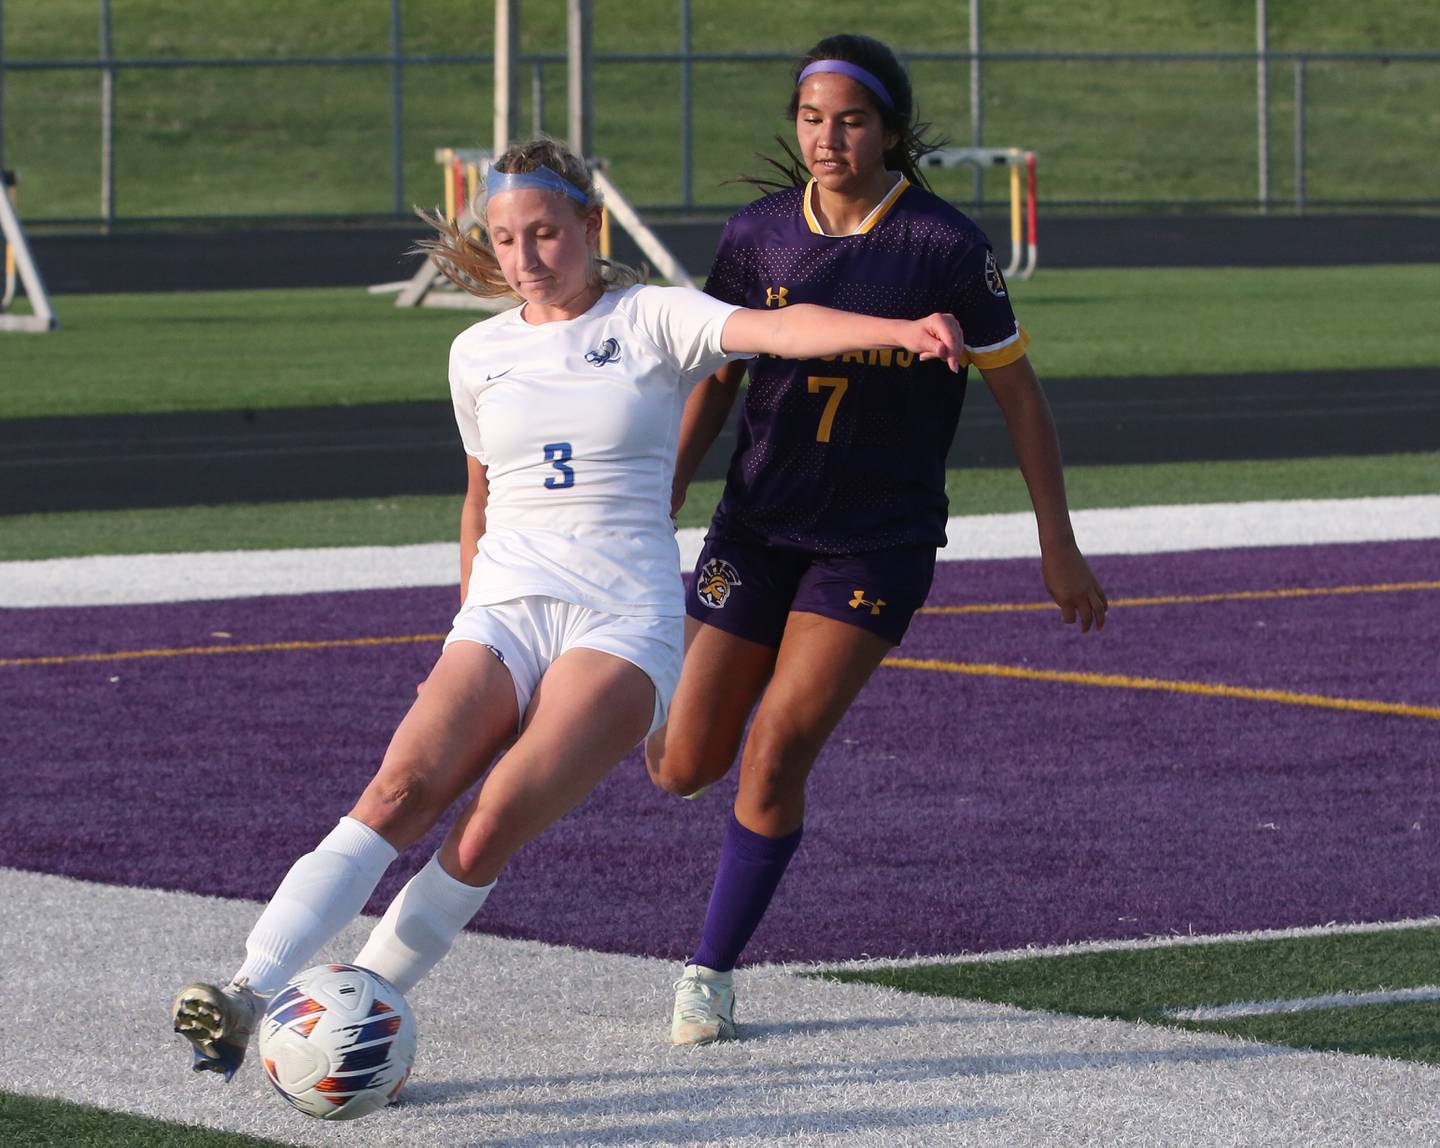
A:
(337, 1042)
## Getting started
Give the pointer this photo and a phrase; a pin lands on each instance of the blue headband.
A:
(855, 72)
(541, 179)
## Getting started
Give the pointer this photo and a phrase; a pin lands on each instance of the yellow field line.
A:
(974, 669)
(1191, 599)
(1204, 689)
(192, 651)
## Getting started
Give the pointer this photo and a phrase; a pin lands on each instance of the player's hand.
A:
(939, 336)
(1074, 587)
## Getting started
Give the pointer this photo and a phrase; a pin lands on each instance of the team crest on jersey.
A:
(606, 352)
(993, 279)
(777, 296)
(716, 579)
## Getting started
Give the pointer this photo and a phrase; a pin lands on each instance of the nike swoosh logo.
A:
(499, 374)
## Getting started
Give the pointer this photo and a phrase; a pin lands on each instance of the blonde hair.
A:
(469, 261)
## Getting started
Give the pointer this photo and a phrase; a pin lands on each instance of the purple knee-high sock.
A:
(749, 872)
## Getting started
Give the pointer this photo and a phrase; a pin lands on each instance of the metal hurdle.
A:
(20, 264)
(1024, 254)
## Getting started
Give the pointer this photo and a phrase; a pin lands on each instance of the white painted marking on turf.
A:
(130, 579)
(535, 1045)
(1305, 1004)
(1136, 944)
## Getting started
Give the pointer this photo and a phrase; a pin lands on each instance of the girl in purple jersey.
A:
(824, 542)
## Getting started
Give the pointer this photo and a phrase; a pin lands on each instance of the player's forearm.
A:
(472, 521)
(1037, 448)
(702, 420)
(472, 526)
(807, 331)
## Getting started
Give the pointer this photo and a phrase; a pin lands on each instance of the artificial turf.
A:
(34, 1121)
(1141, 984)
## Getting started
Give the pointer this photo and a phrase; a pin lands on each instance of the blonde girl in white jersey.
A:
(568, 643)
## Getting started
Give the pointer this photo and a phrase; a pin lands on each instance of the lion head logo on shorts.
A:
(714, 582)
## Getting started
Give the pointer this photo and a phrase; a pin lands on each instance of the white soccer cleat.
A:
(704, 1007)
(218, 1022)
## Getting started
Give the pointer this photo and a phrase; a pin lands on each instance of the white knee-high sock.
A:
(420, 925)
(321, 894)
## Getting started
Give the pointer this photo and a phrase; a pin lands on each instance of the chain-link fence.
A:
(110, 137)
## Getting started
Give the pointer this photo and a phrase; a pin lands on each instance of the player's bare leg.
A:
(462, 717)
(719, 682)
(822, 665)
(588, 712)
(590, 709)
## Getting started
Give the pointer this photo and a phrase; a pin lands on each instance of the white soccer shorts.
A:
(529, 633)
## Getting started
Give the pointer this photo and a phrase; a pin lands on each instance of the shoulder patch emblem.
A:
(993, 279)
(715, 581)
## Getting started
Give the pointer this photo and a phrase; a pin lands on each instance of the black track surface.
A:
(390, 449)
(236, 258)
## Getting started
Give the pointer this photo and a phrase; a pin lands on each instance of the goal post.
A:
(20, 269)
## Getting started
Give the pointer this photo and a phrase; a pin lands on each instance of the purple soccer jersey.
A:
(846, 454)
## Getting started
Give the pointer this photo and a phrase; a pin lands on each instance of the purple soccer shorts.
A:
(749, 590)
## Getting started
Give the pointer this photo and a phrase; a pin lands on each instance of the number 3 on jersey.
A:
(557, 454)
(837, 388)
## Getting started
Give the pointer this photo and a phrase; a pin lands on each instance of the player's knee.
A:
(399, 804)
(777, 762)
(680, 771)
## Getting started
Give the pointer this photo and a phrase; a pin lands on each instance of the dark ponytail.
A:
(877, 59)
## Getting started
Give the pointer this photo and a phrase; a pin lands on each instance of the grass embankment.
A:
(317, 139)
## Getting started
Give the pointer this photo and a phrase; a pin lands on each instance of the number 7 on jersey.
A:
(837, 388)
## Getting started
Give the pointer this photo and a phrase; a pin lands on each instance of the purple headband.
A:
(541, 179)
(854, 71)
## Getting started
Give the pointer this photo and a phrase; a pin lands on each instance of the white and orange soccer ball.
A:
(337, 1042)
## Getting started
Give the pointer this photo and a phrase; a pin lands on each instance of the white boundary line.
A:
(133, 579)
(1305, 1004)
(1080, 948)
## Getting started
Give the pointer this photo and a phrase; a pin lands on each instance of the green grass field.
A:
(1142, 984)
(316, 140)
(241, 350)
(32, 1122)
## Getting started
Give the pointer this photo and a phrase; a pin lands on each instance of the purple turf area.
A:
(949, 813)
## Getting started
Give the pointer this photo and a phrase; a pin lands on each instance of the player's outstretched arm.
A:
(1068, 576)
(806, 331)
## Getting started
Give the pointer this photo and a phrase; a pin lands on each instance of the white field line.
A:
(1333, 929)
(533, 1045)
(1306, 1004)
(129, 579)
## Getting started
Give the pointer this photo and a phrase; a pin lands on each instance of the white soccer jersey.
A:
(576, 422)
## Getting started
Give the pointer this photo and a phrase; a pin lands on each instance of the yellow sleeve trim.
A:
(1001, 356)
